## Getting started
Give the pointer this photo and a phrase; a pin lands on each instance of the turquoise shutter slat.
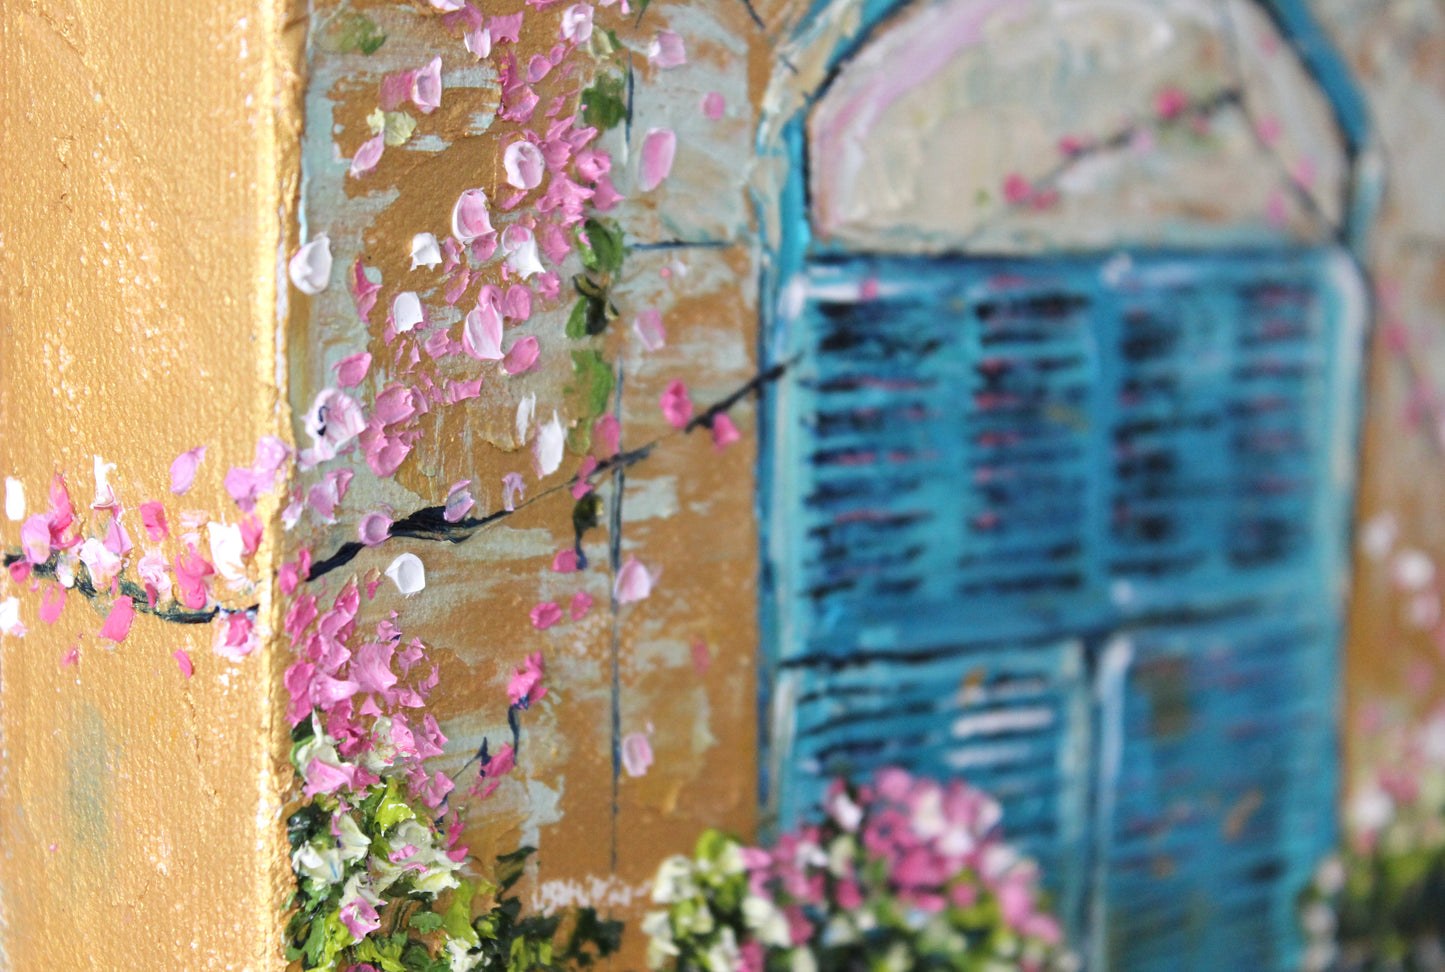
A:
(987, 472)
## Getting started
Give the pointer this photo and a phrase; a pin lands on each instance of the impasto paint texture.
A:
(721, 485)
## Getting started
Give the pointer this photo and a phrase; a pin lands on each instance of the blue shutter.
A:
(983, 472)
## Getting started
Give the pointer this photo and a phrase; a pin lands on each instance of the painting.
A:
(727, 486)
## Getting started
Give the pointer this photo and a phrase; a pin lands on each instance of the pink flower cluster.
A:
(940, 844)
(349, 688)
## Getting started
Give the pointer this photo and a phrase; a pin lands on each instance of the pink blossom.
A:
(501, 762)
(117, 622)
(648, 327)
(512, 486)
(526, 686)
(52, 602)
(251, 534)
(581, 603)
(636, 753)
(505, 27)
(334, 422)
(751, 956)
(666, 50)
(373, 528)
(395, 88)
(565, 562)
(235, 635)
(577, 23)
(183, 662)
(554, 242)
(183, 469)
(538, 68)
(724, 432)
(368, 155)
(35, 538)
(459, 501)
(659, 146)
(324, 497)
(1170, 102)
(359, 915)
(482, 329)
(384, 451)
(593, 164)
(676, 405)
(1016, 189)
(191, 572)
(470, 217)
(520, 245)
(519, 101)
(604, 196)
(605, 436)
(426, 87)
(545, 615)
(566, 198)
(523, 164)
(701, 657)
(714, 105)
(153, 519)
(351, 370)
(394, 405)
(310, 266)
(101, 563)
(479, 42)
(363, 292)
(521, 357)
(517, 304)
(117, 541)
(460, 391)
(633, 582)
(581, 487)
(371, 668)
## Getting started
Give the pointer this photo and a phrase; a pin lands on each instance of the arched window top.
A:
(1027, 125)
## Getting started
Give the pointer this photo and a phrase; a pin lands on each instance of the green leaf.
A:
(392, 809)
(605, 239)
(355, 32)
(510, 867)
(603, 104)
(595, 381)
(457, 919)
(577, 320)
(387, 955)
(305, 824)
(426, 922)
(303, 730)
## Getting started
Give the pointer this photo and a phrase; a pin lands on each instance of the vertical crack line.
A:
(614, 564)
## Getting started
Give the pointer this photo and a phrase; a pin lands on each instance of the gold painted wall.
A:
(147, 154)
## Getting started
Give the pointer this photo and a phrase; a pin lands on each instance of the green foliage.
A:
(595, 382)
(604, 104)
(600, 244)
(353, 33)
(1383, 911)
(505, 941)
(586, 514)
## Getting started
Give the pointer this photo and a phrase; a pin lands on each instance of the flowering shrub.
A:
(379, 871)
(903, 874)
(1379, 903)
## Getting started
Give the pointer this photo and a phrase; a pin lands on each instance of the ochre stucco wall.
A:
(147, 154)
